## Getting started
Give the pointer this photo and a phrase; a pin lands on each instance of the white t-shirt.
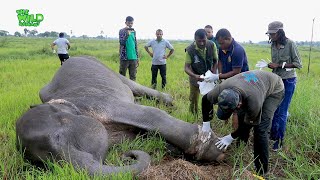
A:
(62, 45)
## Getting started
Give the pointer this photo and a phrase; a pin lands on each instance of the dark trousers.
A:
(163, 73)
(63, 57)
(131, 65)
(261, 132)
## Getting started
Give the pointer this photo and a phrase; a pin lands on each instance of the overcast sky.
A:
(245, 19)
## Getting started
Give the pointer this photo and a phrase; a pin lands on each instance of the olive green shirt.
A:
(254, 87)
(202, 52)
(286, 53)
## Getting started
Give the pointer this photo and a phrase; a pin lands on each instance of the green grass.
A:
(27, 64)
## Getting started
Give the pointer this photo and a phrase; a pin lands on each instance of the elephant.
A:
(87, 108)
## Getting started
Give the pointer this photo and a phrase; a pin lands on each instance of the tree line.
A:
(34, 33)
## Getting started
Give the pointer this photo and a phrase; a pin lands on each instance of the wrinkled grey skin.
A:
(89, 108)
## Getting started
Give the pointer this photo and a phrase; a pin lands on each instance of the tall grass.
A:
(27, 64)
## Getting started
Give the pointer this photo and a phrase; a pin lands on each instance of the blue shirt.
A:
(234, 57)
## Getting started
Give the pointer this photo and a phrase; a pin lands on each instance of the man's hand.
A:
(206, 127)
(151, 54)
(273, 65)
(224, 142)
(210, 77)
(198, 77)
(53, 51)
(137, 63)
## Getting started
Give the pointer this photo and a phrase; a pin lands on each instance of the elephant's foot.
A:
(203, 147)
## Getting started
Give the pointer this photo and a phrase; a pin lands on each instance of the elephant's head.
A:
(56, 129)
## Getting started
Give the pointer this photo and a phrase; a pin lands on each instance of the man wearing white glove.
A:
(252, 97)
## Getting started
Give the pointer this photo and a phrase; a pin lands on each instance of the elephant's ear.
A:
(57, 102)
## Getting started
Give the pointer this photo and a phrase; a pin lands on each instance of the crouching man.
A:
(252, 97)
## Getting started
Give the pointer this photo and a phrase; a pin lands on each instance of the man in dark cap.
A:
(285, 59)
(252, 97)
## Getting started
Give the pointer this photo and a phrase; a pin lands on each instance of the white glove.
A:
(210, 77)
(224, 142)
(54, 51)
(262, 64)
(206, 126)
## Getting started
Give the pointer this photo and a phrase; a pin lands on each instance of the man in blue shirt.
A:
(232, 56)
(232, 61)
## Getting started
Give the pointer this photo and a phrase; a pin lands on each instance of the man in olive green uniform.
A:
(252, 97)
(201, 56)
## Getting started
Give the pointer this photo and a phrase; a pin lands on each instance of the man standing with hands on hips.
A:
(159, 57)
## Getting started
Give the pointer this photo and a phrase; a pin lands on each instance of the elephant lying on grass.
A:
(88, 108)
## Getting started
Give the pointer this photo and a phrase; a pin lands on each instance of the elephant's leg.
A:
(139, 90)
(148, 118)
(184, 135)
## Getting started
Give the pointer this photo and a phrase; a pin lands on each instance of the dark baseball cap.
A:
(228, 101)
(274, 27)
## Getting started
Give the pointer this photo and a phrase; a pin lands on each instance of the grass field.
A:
(27, 64)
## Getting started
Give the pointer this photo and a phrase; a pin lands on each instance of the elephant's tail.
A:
(142, 161)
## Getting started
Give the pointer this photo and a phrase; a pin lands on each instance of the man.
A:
(232, 60)
(201, 56)
(129, 58)
(63, 45)
(232, 56)
(252, 97)
(159, 57)
(209, 30)
(285, 58)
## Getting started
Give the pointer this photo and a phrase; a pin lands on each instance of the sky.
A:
(247, 20)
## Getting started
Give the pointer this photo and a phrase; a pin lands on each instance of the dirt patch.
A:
(179, 169)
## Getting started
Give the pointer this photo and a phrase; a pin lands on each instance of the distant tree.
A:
(4, 33)
(17, 34)
(85, 37)
(54, 34)
(25, 31)
(100, 37)
(45, 34)
(33, 32)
